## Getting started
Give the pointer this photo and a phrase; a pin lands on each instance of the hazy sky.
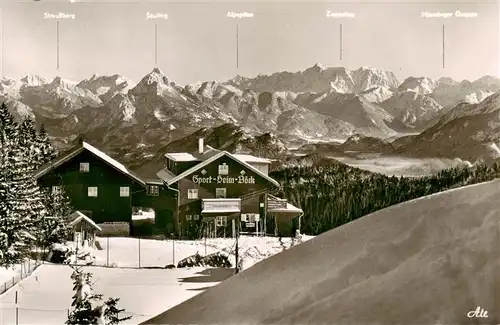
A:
(198, 42)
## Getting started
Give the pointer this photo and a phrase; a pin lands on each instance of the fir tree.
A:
(21, 202)
(47, 151)
(28, 139)
(54, 228)
(8, 126)
(21, 205)
(89, 307)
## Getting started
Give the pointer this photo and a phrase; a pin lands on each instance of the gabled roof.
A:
(214, 158)
(77, 216)
(165, 174)
(96, 152)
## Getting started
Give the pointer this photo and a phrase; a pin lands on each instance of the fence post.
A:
(5, 286)
(139, 252)
(17, 315)
(107, 252)
(68, 312)
(13, 281)
(16, 297)
(173, 250)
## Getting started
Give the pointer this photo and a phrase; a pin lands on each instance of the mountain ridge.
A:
(317, 103)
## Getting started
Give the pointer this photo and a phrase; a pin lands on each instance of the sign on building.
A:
(242, 179)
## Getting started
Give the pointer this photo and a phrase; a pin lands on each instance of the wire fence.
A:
(135, 252)
(18, 315)
(24, 270)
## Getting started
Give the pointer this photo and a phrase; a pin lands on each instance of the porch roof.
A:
(288, 209)
(77, 216)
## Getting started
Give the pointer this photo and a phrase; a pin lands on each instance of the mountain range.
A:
(138, 121)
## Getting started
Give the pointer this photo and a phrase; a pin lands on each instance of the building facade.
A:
(205, 193)
(220, 192)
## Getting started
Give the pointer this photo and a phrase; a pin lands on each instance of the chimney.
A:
(200, 145)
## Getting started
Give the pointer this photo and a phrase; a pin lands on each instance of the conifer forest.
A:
(333, 195)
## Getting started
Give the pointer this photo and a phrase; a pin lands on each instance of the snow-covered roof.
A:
(289, 208)
(181, 156)
(111, 161)
(96, 152)
(214, 158)
(165, 174)
(77, 216)
(252, 159)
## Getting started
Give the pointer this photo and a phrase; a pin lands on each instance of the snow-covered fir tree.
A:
(89, 307)
(21, 201)
(54, 227)
(28, 139)
(47, 151)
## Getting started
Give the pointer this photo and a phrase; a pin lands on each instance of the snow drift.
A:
(427, 261)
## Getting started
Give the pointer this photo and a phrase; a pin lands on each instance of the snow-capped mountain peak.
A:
(34, 80)
(9, 86)
(63, 83)
(156, 83)
(421, 85)
(318, 66)
(106, 86)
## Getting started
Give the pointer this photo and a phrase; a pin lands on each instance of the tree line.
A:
(333, 195)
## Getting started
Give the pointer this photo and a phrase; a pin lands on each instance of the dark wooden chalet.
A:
(104, 189)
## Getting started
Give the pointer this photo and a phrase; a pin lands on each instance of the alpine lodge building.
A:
(209, 192)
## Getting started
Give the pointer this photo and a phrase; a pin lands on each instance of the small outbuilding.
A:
(83, 230)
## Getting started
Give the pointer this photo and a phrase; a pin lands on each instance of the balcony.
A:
(220, 206)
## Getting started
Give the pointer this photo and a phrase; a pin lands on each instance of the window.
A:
(92, 191)
(84, 167)
(56, 190)
(220, 193)
(189, 217)
(223, 169)
(196, 217)
(221, 221)
(193, 194)
(250, 217)
(153, 190)
(124, 191)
